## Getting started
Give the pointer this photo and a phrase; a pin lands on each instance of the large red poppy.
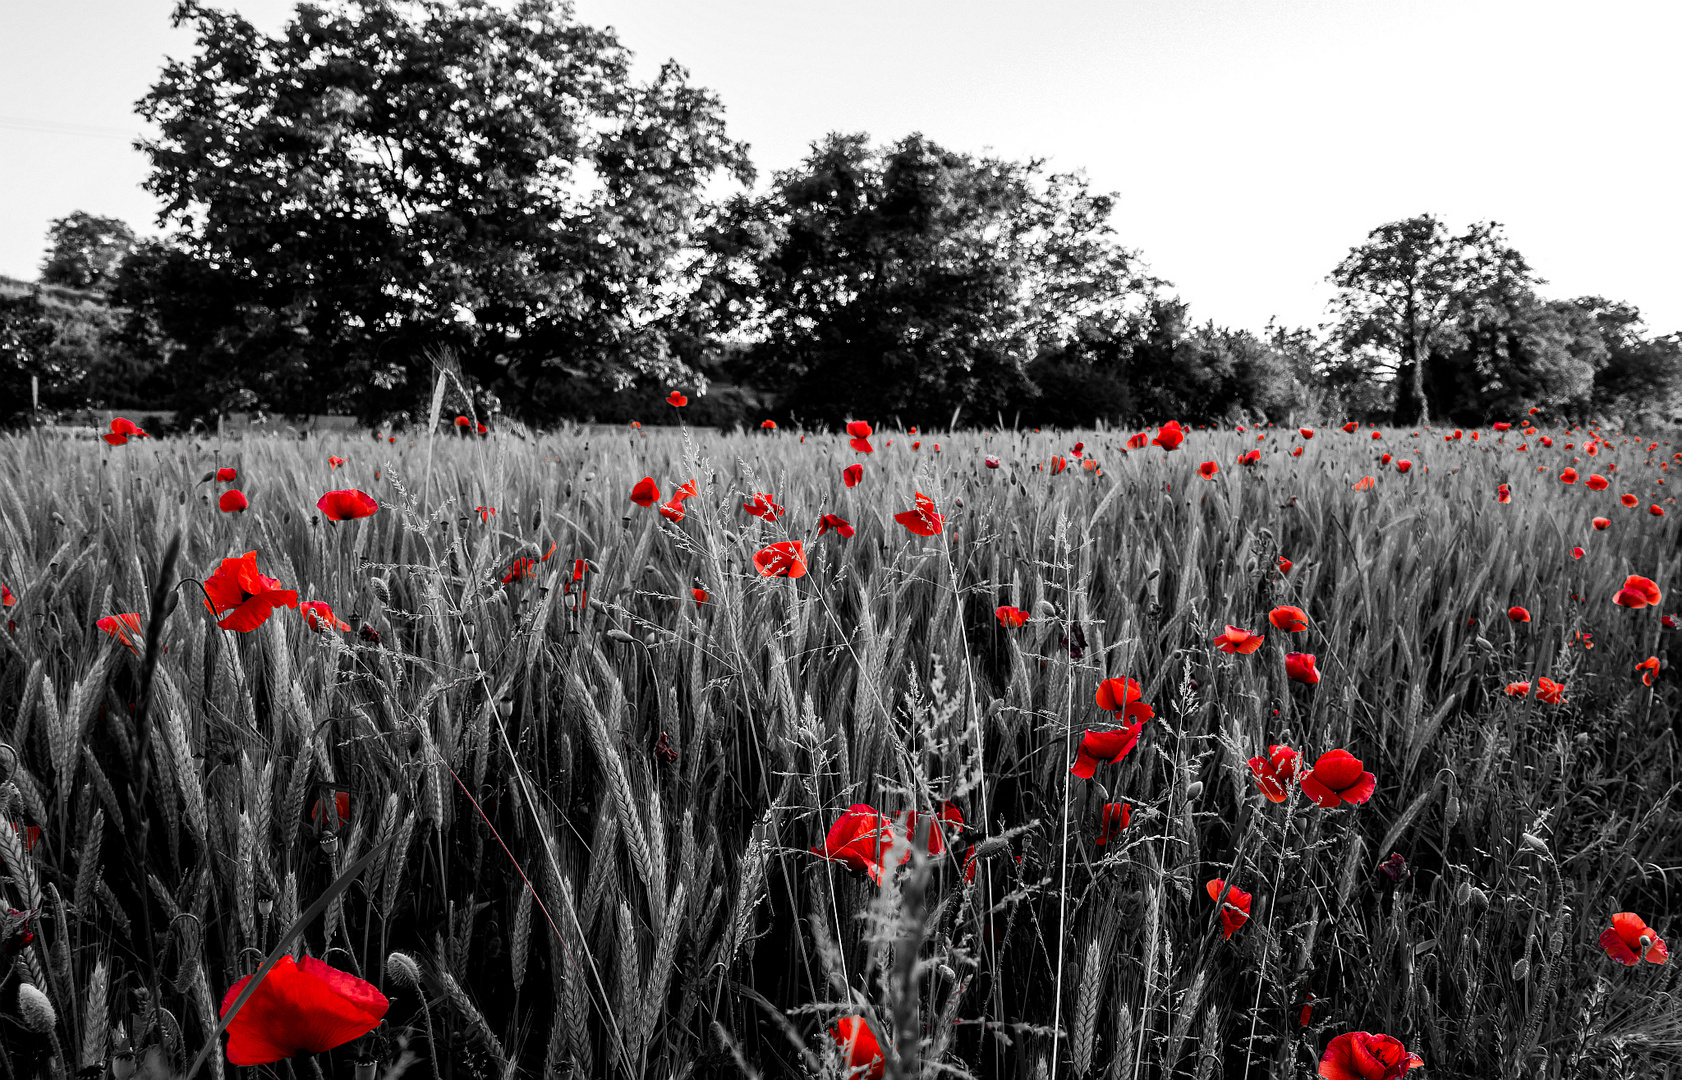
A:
(125, 628)
(787, 559)
(1236, 639)
(1276, 772)
(836, 522)
(1649, 668)
(763, 506)
(852, 474)
(232, 501)
(1338, 778)
(859, 1048)
(1518, 614)
(1596, 482)
(1122, 696)
(1568, 476)
(858, 840)
(1630, 941)
(948, 821)
(300, 1007)
(673, 510)
(1208, 469)
(1114, 819)
(1235, 909)
(242, 596)
(859, 434)
(1097, 747)
(347, 505)
(1286, 617)
(1170, 435)
(1638, 592)
(922, 521)
(1011, 618)
(318, 615)
(1358, 1055)
(1299, 667)
(676, 400)
(122, 429)
(225, 475)
(645, 493)
(1549, 691)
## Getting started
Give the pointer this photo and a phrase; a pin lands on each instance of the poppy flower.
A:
(836, 522)
(1139, 441)
(1365, 483)
(1286, 617)
(1249, 457)
(1338, 778)
(1656, 510)
(335, 462)
(1296, 451)
(1114, 820)
(763, 507)
(1649, 668)
(1097, 747)
(1404, 465)
(1549, 691)
(1208, 469)
(645, 493)
(852, 474)
(300, 1007)
(1276, 772)
(1170, 435)
(463, 422)
(1638, 592)
(1306, 432)
(948, 819)
(1357, 1055)
(1350, 427)
(122, 429)
(1584, 637)
(8, 600)
(859, 1048)
(521, 568)
(1377, 436)
(1630, 941)
(1384, 460)
(1503, 494)
(1122, 696)
(483, 430)
(787, 559)
(858, 840)
(347, 505)
(1299, 667)
(1630, 501)
(1568, 476)
(125, 628)
(225, 475)
(1596, 482)
(676, 400)
(318, 615)
(991, 461)
(1518, 689)
(922, 521)
(1011, 618)
(859, 434)
(1576, 553)
(1235, 910)
(334, 814)
(1238, 640)
(1518, 614)
(1058, 465)
(243, 597)
(1285, 565)
(232, 501)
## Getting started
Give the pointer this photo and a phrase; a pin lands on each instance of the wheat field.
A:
(580, 819)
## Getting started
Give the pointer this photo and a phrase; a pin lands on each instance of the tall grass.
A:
(592, 828)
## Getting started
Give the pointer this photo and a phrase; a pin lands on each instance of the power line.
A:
(53, 127)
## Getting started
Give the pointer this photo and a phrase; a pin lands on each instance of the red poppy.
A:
(347, 505)
(1114, 820)
(859, 439)
(1670, 621)
(1602, 524)
(1122, 696)
(1576, 553)
(335, 462)
(521, 568)
(1238, 640)
(948, 820)
(1649, 668)
(1139, 441)
(483, 430)
(763, 507)
(922, 520)
(300, 1007)
(1549, 691)
(8, 600)
(1338, 778)
(1596, 482)
(859, 1048)
(676, 400)
(1638, 592)
(318, 615)
(1249, 457)
(225, 475)
(1404, 465)
(1296, 451)
(1365, 483)
(1276, 772)
(1285, 565)
(1377, 435)
(1350, 427)
(787, 559)
(991, 461)
(1568, 476)
(1503, 494)
(1170, 435)
(232, 501)
(1656, 510)
(1058, 465)
(1630, 941)
(1208, 469)
(125, 628)
(1306, 432)
(1299, 667)
(1547, 440)
(122, 429)
(244, 597)
(1097, 747)
(1629, 500)
(1011, 618)
(645, 493)
(700, 596)
(1286, 617)
(1235, 910)
(858, 840)
(463, 422)
(1518, 614)
(1385, 460)
(1518, 689)
(1357, 1055)
(334, 815)
(915, 446)
(852, 474)
(836, 522)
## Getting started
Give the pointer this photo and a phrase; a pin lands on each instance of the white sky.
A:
(1252, 142)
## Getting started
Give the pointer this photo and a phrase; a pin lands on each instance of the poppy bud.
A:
(1451, 811)
(1535, 843)
(621, 636)
(35, 1009)
(401, 969)
(381, 589)
(265, 905)
(1194, 790)
(1463, 894)
(1521, 970)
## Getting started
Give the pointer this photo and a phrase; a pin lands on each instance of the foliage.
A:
(85, 250)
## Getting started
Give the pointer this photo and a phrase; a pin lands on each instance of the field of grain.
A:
(580, 818)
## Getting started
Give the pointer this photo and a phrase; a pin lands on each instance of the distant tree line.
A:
(384, 188)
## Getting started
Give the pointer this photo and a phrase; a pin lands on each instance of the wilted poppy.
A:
(1114, 819)
(232, 501)
(858, 840)
(1602, 524)
(1549, 691)
(1670, 621)
(762, 506)
(1236, 639)
(1122, 696)
(245, 595)
(1235, 909)
(1170, 435)
(787, 559)
(1596, 482)
(676, 400)
(347, 505)
(1299, 667)
(1011, 618)
(225, 475)
(859, 1048)
(645, 493)
(1568, 476)
(1097, 747)
(1648, 668)
(852, 474)
(1518, 614)
(836, 522)
(859, 434)
(923, 521)
(300, 1007)
(1357, 1055)
(125, 628)
(1630, 941)
(1286, 617)
(318, 615)
(1276, 772)
(1638, 592)
(335, 462)
(1338, 778)
(1208, 469)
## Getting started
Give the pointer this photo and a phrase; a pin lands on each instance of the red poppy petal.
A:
(1320, 793)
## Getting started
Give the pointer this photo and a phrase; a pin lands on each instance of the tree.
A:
(1403, 291)
(84, 250)
(27, 336)
(912, 281)
(1642, 375)
(390, 178)
(1208, 373)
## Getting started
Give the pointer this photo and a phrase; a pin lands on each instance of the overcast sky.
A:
(1252, 142)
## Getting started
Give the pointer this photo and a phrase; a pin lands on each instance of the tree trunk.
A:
(1411, 406)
